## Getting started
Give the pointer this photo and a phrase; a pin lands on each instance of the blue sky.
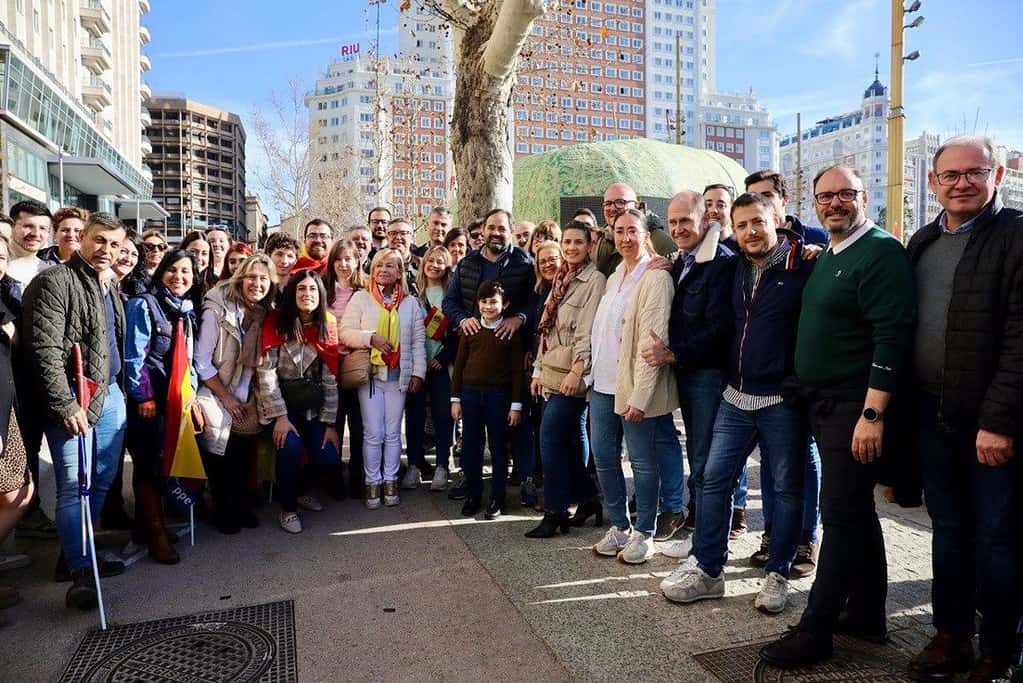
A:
(811, 56)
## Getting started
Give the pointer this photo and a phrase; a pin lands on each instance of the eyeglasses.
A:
(618, 203)
(399, 233)
(318, 236)
(551, 260)
(975, 176)
(633, 233)
(475, 235)
(154, 247)
(846, 196)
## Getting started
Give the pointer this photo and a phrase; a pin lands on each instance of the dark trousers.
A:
(485, 409)
(851, 568)
(415, 426)
(436, 392)
(229, 476)
(562, 432)
(348, 410)
(31, 421)
(324, 460)
(974, 511)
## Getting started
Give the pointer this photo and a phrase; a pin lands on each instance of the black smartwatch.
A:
(872, 415)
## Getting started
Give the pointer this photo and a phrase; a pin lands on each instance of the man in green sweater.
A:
(855, 332)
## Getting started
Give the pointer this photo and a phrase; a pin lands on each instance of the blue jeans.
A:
(289, 458)
(656, 458)
(103, 444)
(437, 391)
(700, 392)
(485, 409)
(781, 433)
(523, 440)
(741, 488)
(974, 509)
(562, 437)
(811, 495)
(606, 437)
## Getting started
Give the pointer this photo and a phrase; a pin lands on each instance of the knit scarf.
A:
(388, 326)
(566, 274)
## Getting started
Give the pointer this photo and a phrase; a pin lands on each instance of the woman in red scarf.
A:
(296, 388)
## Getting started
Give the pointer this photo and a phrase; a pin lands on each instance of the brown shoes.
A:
(944, 656)
(738, 524)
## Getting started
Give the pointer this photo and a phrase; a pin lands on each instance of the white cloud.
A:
(263, 47)
(844, 35)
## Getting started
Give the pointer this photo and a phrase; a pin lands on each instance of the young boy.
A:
(487, 389)
(283, 251)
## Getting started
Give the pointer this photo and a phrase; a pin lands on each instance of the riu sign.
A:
(349, 51)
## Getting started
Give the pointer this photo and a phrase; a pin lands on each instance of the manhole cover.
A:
(255, 643)
(853, 662)
(224, 652)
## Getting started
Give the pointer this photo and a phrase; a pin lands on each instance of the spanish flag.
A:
(180, 449)
(436, 324)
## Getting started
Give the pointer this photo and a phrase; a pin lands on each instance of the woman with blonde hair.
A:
(227, 353)
(389, 321)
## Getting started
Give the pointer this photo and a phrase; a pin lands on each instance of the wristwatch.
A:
(872, 415)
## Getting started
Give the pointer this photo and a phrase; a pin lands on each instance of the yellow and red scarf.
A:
(388, 326)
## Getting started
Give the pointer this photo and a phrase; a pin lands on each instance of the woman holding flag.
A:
(160, 323)
(441, 347)
(389, 322)
(296, 389)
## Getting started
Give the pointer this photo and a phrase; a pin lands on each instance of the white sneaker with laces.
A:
(410, 481)
(692, 584)
(638, 549)
(678, 549)
(685, 566)
(440, 479)
(612, 543)
(311, 503)
(290, 522)
(773, 594)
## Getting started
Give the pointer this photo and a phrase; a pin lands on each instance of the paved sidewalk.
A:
(419, 592)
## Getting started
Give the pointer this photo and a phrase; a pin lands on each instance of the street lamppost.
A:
(897, 116)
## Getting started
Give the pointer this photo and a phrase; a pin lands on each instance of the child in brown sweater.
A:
(487, 390)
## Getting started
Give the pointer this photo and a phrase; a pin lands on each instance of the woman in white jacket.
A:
(389, 321)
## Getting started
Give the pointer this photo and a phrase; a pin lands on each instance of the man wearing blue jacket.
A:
(766, 296)
(771, 184)
(699, 334)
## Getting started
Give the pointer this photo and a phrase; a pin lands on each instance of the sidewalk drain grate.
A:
(854, 661)
(255, 643)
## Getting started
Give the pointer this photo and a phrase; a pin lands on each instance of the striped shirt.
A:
(748, 402)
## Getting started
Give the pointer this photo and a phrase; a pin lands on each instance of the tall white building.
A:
(919, 198)
(386, 145)
(1012, 182)
(856, 138)
(693, 22)
(739, 127)
(71, 104)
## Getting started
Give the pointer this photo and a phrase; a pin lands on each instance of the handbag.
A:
(249, 424)
(303, 393)
(197, 417)
(355, 369)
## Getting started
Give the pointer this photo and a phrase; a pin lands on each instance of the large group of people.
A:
(844, 358)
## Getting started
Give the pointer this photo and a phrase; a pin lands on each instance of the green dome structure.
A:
(549, 185)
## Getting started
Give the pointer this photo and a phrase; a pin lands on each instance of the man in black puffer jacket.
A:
(968, 355)
(66, 305)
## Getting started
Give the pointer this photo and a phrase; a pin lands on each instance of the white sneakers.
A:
(612, 543)
(773, 594)
(638, 549)
(372, 496)
(290, 522)
(410, 481)
(678, 549)
(440, 479)
(311, 503)
(688, 583)
(391, 493)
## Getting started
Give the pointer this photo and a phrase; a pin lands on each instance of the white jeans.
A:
(381, 423)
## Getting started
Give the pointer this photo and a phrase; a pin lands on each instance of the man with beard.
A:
(437, 225)
(317, 239)
(855, 333)
(617, 198)
(377, 222)
(771, 184)
(33, 224)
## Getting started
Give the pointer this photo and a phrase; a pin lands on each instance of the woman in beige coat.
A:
(562, 363)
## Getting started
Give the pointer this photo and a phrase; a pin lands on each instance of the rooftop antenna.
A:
(877, 72)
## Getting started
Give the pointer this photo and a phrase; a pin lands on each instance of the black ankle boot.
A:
(471, 506)
(584, 510)
(552, 523)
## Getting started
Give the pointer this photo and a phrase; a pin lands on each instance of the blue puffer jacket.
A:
(808, 233)
(702, 324)
(764, 343)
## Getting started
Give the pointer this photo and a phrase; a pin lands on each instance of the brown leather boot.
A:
(738, 523)
(149, 508)
(944, 656)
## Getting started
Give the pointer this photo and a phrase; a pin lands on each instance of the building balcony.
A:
(144, 62)
(94, 17)
(96, 57)
(147, 146)
(145, 91)
(144, 36)
(96, 93)
(146, 118)
(143, 6)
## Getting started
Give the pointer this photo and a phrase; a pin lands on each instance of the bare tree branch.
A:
(283, 136)
(511, 29)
